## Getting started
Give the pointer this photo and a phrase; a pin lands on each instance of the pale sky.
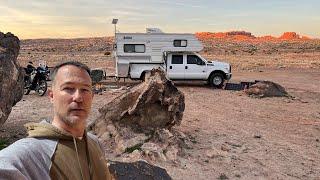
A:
(92, 18)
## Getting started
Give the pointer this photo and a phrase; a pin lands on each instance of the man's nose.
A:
(77, 96)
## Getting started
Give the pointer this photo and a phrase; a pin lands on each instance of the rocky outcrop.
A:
(11, 74)
(155, 103)
(266, 89)
(289, 36)
(139, 124)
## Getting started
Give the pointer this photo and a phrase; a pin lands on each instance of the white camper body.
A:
(176, 54)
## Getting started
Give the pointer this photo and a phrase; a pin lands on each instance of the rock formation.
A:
(289, 36)
(139, 123)
(155, 103)
(266, 89)
(11, 74)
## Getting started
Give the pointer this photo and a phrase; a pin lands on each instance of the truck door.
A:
(195, 67)
(175, 66)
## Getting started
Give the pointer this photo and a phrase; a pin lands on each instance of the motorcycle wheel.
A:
(41, 88)
(27, 89)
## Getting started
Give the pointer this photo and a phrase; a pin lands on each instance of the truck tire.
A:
(216, 80)
(143, 76)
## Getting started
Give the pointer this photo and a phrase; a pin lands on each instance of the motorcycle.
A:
(36, 79)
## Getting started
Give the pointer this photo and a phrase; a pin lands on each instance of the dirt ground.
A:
(235, 136)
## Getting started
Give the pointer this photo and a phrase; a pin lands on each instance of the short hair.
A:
(80, 65)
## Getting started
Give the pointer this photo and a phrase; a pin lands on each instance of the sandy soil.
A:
(235, 136)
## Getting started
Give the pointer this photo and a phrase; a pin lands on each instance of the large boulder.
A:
(266, 89)
(11, 75)
(155, 103)
(140, 123)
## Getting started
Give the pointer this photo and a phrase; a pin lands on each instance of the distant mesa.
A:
(247, 36)
(289, 36)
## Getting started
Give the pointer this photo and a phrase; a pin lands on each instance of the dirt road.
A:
(235, 136)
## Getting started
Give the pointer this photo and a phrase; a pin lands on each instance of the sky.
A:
(29, 19)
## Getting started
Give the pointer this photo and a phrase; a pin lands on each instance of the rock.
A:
(215, 153)
(130, 144)
(266, 89)
(225, 147)
(137, 170)
(153, 151)
(155, 103)
(257, 136)
(142, 120)
(223, 177)
(289, 36)
(172, 153)
(11, 75)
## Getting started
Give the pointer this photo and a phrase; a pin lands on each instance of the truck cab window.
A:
(177, 59)
(193, 59)
(134, 48)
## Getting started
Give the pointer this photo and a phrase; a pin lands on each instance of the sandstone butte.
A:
(247, 36)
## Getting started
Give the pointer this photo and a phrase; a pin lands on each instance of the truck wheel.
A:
(143, 75)
(216, 80)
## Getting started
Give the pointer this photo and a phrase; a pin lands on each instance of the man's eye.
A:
(86, 90)
(67, 89)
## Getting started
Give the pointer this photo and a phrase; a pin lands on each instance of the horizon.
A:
(44, 19)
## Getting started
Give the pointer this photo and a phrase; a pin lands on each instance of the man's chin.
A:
(75, 120)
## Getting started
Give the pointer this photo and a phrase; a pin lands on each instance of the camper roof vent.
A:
(153, 30)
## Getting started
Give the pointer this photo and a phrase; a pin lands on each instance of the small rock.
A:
(257, 136)
(317, 140)
(224, 147)
(172, 153)
(213, 153)
(223, 177)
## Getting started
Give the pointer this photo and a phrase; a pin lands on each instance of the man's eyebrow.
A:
(72, 83)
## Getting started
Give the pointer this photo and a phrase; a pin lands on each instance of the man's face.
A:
(72, 96)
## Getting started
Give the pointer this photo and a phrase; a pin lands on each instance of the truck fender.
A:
(217, 71)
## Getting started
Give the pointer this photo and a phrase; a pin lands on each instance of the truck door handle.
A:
(170, 67)
(186, 67)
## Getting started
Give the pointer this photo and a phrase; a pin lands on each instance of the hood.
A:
(219, 63)
(46, 130)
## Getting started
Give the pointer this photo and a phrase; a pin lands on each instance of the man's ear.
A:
(50, 95)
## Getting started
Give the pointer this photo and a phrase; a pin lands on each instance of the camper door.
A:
(175, 66)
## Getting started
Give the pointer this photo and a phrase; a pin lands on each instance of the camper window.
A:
(180, 43)
(134, 48)
(177, 59)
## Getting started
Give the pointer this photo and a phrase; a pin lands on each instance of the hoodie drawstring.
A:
(75, 145)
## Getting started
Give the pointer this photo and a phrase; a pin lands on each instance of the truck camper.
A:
(176, 54)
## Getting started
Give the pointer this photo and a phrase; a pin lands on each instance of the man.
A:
(62, 149)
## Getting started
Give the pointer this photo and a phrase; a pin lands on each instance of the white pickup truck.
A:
(176, 54)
